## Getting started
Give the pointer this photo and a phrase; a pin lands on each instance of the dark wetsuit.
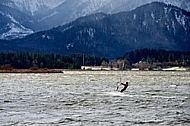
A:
(125, 86)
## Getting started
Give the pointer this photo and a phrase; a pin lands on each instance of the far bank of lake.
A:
(32, 71)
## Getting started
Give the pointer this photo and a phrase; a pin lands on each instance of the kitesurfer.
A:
(125, 86)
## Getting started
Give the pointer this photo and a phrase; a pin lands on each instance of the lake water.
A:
(88, 98)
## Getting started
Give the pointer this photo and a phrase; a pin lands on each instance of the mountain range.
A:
(23, 17)
(154, 25)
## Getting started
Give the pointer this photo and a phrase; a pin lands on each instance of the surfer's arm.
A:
(123, 84)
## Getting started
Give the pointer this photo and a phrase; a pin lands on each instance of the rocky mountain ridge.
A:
(46, 14)
(155, 25)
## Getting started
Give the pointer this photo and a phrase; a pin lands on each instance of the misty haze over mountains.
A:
(22, 17)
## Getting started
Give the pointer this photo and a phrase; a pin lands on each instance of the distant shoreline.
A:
(32, 71)
(62, 70)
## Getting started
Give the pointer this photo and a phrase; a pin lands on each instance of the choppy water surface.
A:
(89, 98)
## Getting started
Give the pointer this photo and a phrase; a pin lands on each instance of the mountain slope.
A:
(70, 10)
(154, 25)
(32, 7)
(14, 24)
(46, 14)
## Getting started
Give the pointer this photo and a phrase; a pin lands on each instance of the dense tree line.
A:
(50, 61)
(75, 61)
(155, 56)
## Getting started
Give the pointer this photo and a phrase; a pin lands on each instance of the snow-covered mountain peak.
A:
(34, 6)
(92, 5)
(39, 15)
(109, 6)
